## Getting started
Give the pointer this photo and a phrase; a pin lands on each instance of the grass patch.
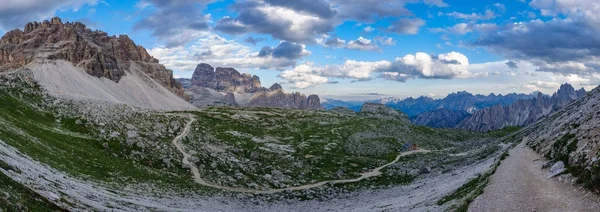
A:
(16, 197)
(504, 131)
(73, 147)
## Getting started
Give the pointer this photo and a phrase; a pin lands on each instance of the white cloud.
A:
(331, 41)
(422, 65)
(386, 41)
(461, 29)
(438, 3)
(587, 9)
(356, 69)
(218, 51)
(465, 28)
(363, 44)
(303, 76)
(368, 29)
(486, 15)
(409, 26)
(500, 7)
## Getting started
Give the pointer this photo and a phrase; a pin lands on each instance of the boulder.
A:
(425, 170)
(556, 169)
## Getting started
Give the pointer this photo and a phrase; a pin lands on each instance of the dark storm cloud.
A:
(512, 65)
(553, 45)
(334, 42)
(285, 49)
(288, 50)
(253, 40)
(15, 14)
(261, 17)
(370, 10)
(230, 25)
(174, 22)
(253, 17)
(265, 51)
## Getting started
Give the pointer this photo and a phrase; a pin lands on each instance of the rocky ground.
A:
(520, 184)
(60, 145)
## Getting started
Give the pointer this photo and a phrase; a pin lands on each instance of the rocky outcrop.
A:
(382, 111)
(206, 97)
(245, 89)
(522, 112)
(96, 52)
(442, 118)
(278, 98)
(343, 111)
(225, 79)
(275, 87)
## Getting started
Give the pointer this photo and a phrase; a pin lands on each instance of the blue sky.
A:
(355, 49)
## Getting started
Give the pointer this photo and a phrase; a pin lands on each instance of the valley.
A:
(93, 122)
(298, 155)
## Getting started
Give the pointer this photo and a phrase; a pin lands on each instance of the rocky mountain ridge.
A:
(522, 112)
(441, 118)
(95, 51)
(227, 87)
(458, 101)
(225, 79)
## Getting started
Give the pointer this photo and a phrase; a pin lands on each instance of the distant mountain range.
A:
(459, 101)
(475, 112)
(522, 112)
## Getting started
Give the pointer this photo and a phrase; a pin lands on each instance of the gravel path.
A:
(198, 179)
(520, 184)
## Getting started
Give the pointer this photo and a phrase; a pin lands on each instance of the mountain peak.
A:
(566, 91)
(99, 54)
(225, 79)
(275, 87)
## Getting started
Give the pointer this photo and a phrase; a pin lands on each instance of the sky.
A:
(355, 49)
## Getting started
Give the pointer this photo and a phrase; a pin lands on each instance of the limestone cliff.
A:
(98, 53)
(246, 89)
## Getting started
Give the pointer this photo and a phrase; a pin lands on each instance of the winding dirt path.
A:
(198, 179)
(520, 184)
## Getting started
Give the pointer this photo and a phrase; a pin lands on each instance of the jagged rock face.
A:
(204, 76)
(205, 97)
(382, 111)
(225, 79)
(455, 101)
(98, 53)
(522, 112)
(279, 98)
(275, 87)
(233, 83)
(442, 118)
